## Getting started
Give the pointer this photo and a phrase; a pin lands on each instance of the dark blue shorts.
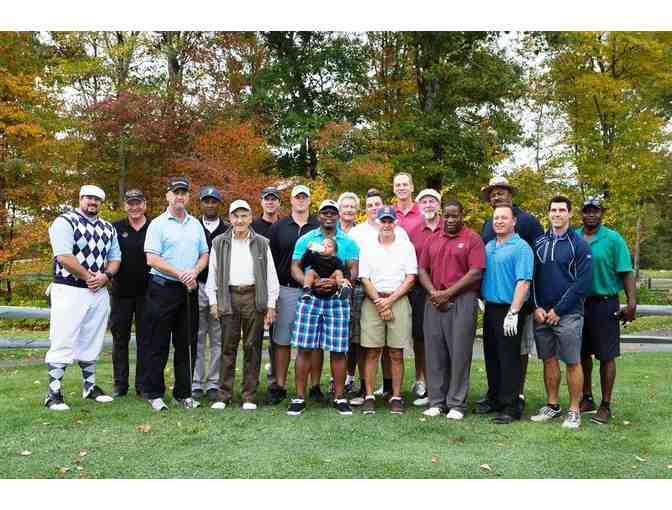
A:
(601, 328)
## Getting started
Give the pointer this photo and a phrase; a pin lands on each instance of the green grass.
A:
(107, 441)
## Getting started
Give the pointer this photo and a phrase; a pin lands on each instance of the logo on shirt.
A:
(124, 234)
(461, 245)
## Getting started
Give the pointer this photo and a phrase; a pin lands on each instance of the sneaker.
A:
(342, 407)
(573, 420)
(276, 395)
(218, 405)
(433, 411)
(197, 394)
(420, 389)
(296, 407)
(546, 413)
(97, 395)
(211, 394)
(422, 401)
(188, 403)
(158, 404)
(357, 401)
(587, 405)
(316, 394)
(249, 406)
(54, 401)
(119, 391)
(396, 405)
(602, 416)
(369, 405)
(454, 414)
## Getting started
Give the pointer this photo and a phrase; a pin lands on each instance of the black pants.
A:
(502, 356)
(166, 317)
(124, 310)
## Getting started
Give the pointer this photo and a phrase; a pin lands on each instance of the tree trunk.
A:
(122, 162)
(638, 237)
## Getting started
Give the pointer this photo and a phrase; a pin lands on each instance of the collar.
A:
(457, 234)
(86, 217)
(438, 226)
(174, 218)
(512, 240)
(412, 210)
(312, 220)
(600, 233)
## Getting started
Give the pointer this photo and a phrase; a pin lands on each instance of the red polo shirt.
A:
(449, 258)
(411, 219)
(421, 233)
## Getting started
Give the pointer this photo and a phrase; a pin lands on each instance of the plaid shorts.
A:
(322, 323)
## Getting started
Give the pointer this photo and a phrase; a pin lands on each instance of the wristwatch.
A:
(109, 275)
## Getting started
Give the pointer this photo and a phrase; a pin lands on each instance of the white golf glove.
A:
(511, 324)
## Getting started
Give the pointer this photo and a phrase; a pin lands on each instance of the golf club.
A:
(189, 401)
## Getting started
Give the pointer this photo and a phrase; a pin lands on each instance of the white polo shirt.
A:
(387, 265)
(365, 232)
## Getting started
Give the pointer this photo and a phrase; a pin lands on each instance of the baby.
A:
(320, 261)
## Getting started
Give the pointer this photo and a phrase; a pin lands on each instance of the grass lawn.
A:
(126, 439)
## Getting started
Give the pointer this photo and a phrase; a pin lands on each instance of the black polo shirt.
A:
(133, 275)
(283, 236)
(262, 227)
(527, 227)
(221, 229)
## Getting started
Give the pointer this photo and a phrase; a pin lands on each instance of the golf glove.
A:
(511, 324)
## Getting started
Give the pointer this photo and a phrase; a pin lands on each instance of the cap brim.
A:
(328, 207)
(272, 193)
(485, 192)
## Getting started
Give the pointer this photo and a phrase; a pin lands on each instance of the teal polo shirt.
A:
(347, 247)
(505, 265)
(611, 257)
(180, 243)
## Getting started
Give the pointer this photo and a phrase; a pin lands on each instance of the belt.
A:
(384, 294)
(602, 297)
(165, 282)
(241, 289)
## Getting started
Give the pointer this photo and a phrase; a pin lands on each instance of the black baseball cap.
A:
(270, 190)
(176, 183)
(593, 202)
(134, 194)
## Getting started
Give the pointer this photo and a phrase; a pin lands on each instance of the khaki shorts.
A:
(379, 333)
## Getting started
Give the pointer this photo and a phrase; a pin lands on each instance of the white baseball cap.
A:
(428, 192)
(300, 188)
(92, 191)
(239, 204)
(328, 204)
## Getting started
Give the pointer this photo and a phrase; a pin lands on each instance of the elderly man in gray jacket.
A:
(242, 288)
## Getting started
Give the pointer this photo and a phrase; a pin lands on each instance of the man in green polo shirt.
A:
(612, 271)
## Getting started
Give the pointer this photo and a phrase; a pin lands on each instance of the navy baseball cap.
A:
(210, 191)
(592, 202)
(176, 183)
(386, 212)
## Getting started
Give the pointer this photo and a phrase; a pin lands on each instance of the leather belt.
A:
(240, 289)
(165, 282)
(384, 294)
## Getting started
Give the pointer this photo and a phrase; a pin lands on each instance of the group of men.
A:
(410, 276)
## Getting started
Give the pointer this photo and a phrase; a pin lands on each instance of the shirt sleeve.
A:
(61, 237)
(476, 257)
(410, 260)
(524, 263)
(115, 249)
(622, 262)
(300, 247)
(211, 282)
(153, 238)
(272, 280)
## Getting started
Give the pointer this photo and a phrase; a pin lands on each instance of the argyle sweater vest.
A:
(92, 242)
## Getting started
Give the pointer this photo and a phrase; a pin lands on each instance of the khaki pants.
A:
(247, 324)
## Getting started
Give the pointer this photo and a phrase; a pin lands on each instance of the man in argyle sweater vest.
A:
(86, 256)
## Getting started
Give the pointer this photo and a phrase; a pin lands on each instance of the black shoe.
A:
(119, 391)
(297, 406)
(503, 419)
(587, 404)
(316, 394)
(342, 407)
(197, 394)
(139, 392)
(211, 394)
(276, 395)
(485, 406)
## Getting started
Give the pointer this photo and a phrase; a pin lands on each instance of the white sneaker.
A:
(158, 404)
(454, 414)
(421, 402)
(432, 411)
(419, 388)
(546, 413)
(357, 401)
(573, 420)
(188, 403)
(249, 406)
(218, 405)
(97, 395)
(54, 402)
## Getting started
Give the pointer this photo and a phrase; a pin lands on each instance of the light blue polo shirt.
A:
(505, 265)
(180, 243)
(347, 247)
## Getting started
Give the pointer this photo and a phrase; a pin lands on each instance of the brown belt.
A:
(241, 289)
(384, 294)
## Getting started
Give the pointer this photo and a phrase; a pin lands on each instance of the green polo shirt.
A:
(611, 257)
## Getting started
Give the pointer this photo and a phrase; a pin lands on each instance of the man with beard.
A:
(208, 328)
(86, 257)
(177, 252)
(128, 292)
(322, 322)
(450, 270)
(612, 271)
(500, 192)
